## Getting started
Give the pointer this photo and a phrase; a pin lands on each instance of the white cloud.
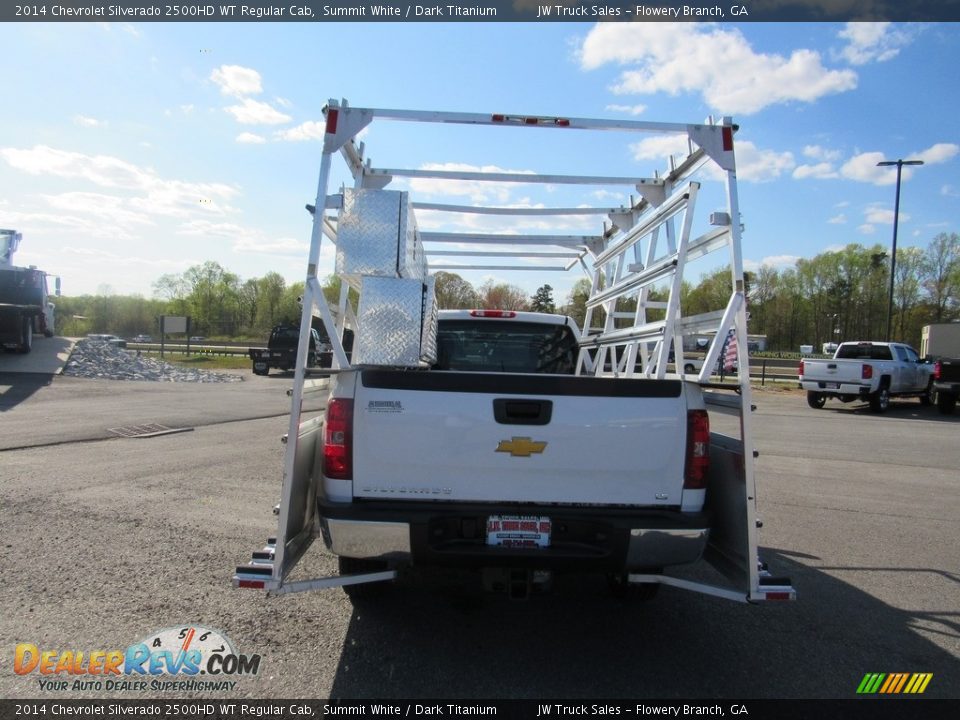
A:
(820, 171)
(250, 138)
(109, 208)
(101, 170)
(629, 109)
(872, 42)
(248, 240)
(753, 164)
(237, 81)
(254, 112)
(866, 229)
(156, 195)
(756, 165)
(85, 121)
(878, 215)
(279, 246)
(479, 191)
(309, 130)
(840, 219)
(950, 191)
(716, 62)
(817, 152)
(863, 167)
(939, 153)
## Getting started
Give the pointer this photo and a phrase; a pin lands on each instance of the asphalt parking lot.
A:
(108, 540)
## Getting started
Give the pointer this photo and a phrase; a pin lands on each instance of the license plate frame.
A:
(519, 531)
(832, 385)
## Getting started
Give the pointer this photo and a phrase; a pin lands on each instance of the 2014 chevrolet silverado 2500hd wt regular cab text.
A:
(516, 444)
(871, 371)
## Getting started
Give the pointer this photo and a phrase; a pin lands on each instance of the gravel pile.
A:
(101, 359)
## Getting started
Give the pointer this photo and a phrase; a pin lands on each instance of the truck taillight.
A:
(338, 440)
(936, 370)
(698, 450)
(800, 369)
(866, 372)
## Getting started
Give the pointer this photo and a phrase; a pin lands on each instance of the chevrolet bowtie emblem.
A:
(521, 447)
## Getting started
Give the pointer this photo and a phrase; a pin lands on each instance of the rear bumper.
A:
(454, 534)
(947, 388)
(827, 388)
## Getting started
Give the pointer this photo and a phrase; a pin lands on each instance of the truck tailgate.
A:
(833, 371)
(465, 436)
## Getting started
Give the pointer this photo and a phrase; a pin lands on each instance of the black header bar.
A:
(535, 11)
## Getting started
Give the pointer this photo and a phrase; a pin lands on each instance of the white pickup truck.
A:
(871, 371)
(515, 443)
(490, 459)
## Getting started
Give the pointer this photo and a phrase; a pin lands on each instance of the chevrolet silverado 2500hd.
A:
(871, 371)
(500, 457)
(509, 442)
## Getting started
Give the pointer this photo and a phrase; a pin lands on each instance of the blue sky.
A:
(132, 150)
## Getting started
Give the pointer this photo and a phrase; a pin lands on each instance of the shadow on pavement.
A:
(444, 639)
(17, 387)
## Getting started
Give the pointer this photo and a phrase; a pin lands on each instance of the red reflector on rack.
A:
(532, 121)
(493, 313)
(727, 134)
(497, 118)
(777, 596)
(562, 122)
(257, 584)
(332, 117)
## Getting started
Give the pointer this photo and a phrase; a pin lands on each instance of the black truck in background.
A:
(281, 350)
(946, 384)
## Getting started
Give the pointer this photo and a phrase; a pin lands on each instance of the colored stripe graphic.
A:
(894, 683)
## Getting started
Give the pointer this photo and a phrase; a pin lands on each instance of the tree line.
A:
(834, 296)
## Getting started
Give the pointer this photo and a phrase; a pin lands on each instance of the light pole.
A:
(896, 218)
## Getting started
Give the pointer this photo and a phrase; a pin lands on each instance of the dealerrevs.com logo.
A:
(186, 654)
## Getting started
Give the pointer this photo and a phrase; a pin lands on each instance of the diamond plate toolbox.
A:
(377, 235)
(397, 321)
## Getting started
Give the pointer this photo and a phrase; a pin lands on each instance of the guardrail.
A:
(764, 369)
(181, 348)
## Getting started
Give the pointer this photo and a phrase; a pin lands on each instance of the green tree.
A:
(453, 292)
(542, 300)
(576, 306)
(941, 273)
(502, 296)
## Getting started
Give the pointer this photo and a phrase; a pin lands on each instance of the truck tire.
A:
(365, 591)
(929, 396)
(946, 404)
(689, 369)
(816, 400)
(26, 335)
(880, 400)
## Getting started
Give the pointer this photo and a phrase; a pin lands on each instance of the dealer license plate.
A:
(520, 531)
(832, 386)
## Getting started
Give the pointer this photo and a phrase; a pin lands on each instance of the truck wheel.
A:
(946, 404)
(929, 397)
(880, 400)
(364, 591)
(816, 400)
(689, 369)
(26, 336)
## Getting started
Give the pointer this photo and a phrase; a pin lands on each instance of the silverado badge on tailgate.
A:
(521, 447)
